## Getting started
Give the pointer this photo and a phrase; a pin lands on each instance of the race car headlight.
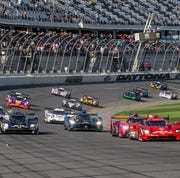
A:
(146, 131)
(32, 125)
(125, 127)
(177, 131)
(99, 123)
(6, 126)
(72, 122)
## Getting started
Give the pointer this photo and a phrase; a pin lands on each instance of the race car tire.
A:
(69, 129)
(131, 138)
(140, 139)
(35, 132)
(113, 133)
(1, 132)
(120, 135)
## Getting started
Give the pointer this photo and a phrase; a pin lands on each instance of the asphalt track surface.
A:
(58, 153)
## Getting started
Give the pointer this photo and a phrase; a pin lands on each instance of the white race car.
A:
(72, 103)
(56, 115)
(61, 92)
(168, 94)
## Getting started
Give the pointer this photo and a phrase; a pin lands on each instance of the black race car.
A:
(141, 91)
(84, 121)
(17, 122)
(72, 104)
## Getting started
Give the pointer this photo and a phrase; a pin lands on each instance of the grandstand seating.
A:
(167, 12)
(50, 52)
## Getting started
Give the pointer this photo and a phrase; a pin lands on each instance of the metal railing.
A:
(44, 53)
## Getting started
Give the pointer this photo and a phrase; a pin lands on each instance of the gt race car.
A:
(64, 92)
(18, 101)
(141, 91)
(156, 128)
(90, 100)
(159, 85)
(18, 122)
(132, 96)
(56, 115)
(118, 127)
(168, 94)
(84, 121)
(72, 104)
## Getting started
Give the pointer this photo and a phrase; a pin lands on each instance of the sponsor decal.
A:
(73, 79)
(107, 78)
(132, 77)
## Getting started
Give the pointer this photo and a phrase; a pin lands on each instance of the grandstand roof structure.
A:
(111, 14)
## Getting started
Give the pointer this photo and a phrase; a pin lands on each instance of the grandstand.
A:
(167, 12)
(85, 36)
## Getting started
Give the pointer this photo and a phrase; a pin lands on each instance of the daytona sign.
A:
(132, 77)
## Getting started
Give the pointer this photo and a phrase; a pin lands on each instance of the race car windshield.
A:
(85, 117)
(19, 98)
(18, 120)
(59, 112)
(156, 123)
(137, 120)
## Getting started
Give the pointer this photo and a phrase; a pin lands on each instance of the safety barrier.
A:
(29, 79)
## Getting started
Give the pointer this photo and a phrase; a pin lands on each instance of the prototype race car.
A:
(118, 127)
(168, 94)
(72, 104)
(141, 91)
(84, 121)
(132, 96)
(64, 92)
(18, 100)
(56, 115)
(17, 122)
(17, 94)
(159, 85)
(156, 128)
(90, 100)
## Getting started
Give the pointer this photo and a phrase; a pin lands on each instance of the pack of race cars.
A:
(134, 127)
(147, 128)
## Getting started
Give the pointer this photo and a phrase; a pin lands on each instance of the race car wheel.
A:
(131, 138)
(1, 132)
(35, 132)
(140, 139)
(120, 135)
(113, 132)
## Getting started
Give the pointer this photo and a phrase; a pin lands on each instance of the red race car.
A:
(157, 128)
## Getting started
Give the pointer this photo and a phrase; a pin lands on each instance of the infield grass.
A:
(173, 110)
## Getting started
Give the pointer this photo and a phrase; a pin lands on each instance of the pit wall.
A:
(14, 80)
